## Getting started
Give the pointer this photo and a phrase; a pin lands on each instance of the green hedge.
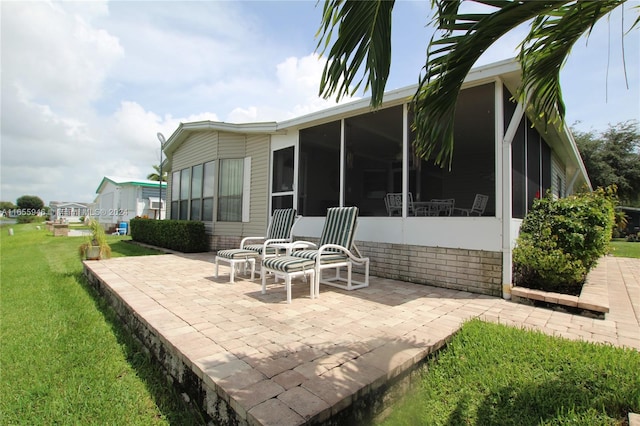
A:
(181, 235)
(30, 219)
(561, 240)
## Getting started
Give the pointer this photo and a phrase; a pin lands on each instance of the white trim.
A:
(476, 76)
(576, 154)
(405, 160)
(572, 182)
(342, 163)
(506, 166)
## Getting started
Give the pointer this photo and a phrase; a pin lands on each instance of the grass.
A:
(496, 375)
(622, 248)
(65, 358)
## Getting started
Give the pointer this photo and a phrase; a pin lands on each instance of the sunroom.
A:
(351, 155)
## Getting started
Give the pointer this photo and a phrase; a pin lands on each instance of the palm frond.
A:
(447, 66)
(362, 51)
(364, 40)
(545, 49)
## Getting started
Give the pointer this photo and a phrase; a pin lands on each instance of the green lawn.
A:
(65, 359)
(497, 375)
(622, 248)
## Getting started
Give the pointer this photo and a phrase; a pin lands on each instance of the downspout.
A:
(507, 200)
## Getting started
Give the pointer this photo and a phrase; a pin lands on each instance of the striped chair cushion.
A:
(281, 224)
(236, 254)
(289, 264)
(333, 257)
(339, 226)
(258, 248)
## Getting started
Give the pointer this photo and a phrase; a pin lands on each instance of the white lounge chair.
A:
(335, 250)
(279, 231)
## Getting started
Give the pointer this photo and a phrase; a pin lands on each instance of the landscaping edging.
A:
(593, 300)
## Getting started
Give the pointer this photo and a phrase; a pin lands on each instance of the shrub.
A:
(30, 219)
(181, 235)
(561, 240)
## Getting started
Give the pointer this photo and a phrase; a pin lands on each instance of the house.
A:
(633, 220)
(231, 176)
(63, 211)
(121, 199)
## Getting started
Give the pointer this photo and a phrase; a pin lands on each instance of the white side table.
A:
(290, 247)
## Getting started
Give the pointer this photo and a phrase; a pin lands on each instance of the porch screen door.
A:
(282, 179)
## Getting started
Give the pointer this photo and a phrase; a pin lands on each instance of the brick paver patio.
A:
(257, 360)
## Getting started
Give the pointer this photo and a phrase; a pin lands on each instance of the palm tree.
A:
(156, 175)
(364, 40)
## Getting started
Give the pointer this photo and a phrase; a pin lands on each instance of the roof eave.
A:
(399, 96)
(184, 129)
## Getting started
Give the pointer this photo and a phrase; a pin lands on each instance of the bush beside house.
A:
(181, 235)
(561, 240)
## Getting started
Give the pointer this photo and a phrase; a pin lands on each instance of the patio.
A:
(248, 358)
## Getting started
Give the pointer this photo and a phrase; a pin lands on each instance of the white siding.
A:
(258, 150)
(196, 149)
(201, 147)
(232, 145)
(558, 178)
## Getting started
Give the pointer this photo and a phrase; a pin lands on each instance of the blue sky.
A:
(87, 85)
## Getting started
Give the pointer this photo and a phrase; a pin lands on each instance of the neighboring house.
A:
(231, 176)
(62, 211)
(121, 199)
(633, 219)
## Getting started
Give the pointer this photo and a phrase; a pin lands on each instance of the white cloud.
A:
(55, 57)
(295, 92)
(80, 93)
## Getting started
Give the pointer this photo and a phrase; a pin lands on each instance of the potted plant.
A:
(96, 246)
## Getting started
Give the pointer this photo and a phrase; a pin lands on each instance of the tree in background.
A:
(30, 202)
(156, 175)
(612, 157)
(7, 205)
(363, 42)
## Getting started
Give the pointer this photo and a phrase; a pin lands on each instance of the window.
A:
(532, 169)
(208, 188)
(193, 191)
(373, 146)
(196, 192)
(282, 184)
(473, 168)
(368, 149)
(230, 190)
(185, 181)
(319, 169)
(175, 195)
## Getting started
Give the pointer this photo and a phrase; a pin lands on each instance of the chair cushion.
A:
(289, 264)
(281, 224)
(327, 257)
(339, 226)
(258, 248)
(236, 254)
